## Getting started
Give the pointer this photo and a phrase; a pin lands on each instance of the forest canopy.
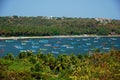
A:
(48, 26)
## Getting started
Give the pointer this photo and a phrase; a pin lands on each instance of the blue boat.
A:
(35, 46)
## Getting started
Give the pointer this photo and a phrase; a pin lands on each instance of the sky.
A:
(60, 8)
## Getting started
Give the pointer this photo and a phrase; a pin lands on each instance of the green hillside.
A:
(47, 26)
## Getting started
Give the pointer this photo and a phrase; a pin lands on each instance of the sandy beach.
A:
(58, 36)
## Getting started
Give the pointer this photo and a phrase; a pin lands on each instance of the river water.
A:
(59, 45)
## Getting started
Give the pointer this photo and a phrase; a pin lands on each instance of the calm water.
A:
(59, 45)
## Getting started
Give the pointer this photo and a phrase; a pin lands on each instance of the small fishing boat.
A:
(47, 45)
(85, 49)
(23, 43)
(55, 52)
(35, 46)
(9, 40)
(18, 47)
(31, 50)
(58, 42)
(42, 49)
(23, 51)
(35, 43)
(2, 45)
(43, 41)
(84, 39)
(116, 45)
(73, 42)
(95, 41)
(64, 45)
(62, 50)
(113, 38)
(88, 44)
(70, 47)
(106, 48)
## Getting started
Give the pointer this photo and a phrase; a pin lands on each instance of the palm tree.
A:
(22, 55)
(50, 60)
(62, 62)
(10, 56)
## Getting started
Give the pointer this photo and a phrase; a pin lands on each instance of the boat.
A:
(70, 47)
(42, 49)
(95, 41)
(55, 52)
(18, 47)
(62, 50)
(85, 49)
(64, 45)
(84, 39)
(58, 42)
(88, 44)
(31, 50)
(105, 48)
(23, 43)
(43, 41)
(113, 38)
(35, 43)
(73, 42)
(9, 40)
(2, 45)
(47, 45)
(23, 51)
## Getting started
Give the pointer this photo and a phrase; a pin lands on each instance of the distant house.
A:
(112, 33)
(103, 20)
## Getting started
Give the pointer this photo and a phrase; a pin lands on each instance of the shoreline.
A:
(57, 36)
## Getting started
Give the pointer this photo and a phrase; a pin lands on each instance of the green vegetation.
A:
(27, 66)
(47, 26)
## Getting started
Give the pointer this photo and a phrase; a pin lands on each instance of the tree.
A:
(9, 56)
(22, 55)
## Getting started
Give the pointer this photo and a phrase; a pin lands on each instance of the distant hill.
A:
(47, 26)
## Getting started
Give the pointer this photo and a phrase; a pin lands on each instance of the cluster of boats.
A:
(60, 45)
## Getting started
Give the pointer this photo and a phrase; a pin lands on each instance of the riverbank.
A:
(58, 36)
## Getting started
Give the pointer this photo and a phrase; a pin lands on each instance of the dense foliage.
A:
(27, 66)
(46, 26)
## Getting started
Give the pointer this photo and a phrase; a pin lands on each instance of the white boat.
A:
(95, 41)
(64, 45)
(55, 52)
(18, 47)
(88, 44)
(42, 49)
(23, 43)
(23, 51)
(113, 38)
(9, 40)
(105, 48)
(31, 50)
(2, 45)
